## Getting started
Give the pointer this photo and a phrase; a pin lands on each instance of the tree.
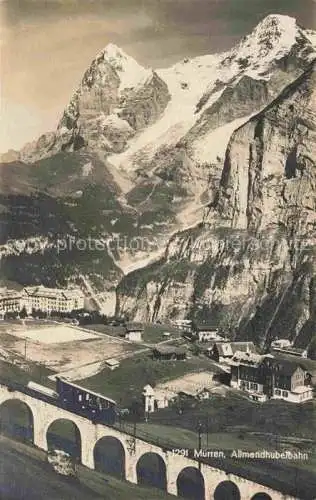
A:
(23, 313)
(312, 348)
(11, 315)
(196, 350)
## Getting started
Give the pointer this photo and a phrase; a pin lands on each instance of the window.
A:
(80, 397)
(285, 394)
(277, 392)
(254, 386)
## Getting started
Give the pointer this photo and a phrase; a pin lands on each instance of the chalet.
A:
(224, 351)
(134, 332)
(185, 325)
(264, 377)
(206, 332)
(248, 375)
(169, 352)
(287, 380)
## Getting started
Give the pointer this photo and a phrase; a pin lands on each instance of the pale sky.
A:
(46, 45)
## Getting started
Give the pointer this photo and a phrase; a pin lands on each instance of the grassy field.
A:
(23, 373)
(153, 333)
(127, 382)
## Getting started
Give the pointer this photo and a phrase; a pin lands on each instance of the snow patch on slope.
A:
(214, 143)
(311, 35)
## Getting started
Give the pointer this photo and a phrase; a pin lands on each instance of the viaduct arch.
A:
(190, 484)
(227, 490)
(64, 434)
(151, 470)
(44, 414)
(16, 418)
(109, 456)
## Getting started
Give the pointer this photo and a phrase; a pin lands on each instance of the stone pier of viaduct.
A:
(45, 414)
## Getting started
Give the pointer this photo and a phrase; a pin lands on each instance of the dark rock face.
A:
(237, 100)
(272, 157)
(144, 105)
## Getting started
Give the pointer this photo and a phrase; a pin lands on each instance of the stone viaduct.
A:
(134, 450)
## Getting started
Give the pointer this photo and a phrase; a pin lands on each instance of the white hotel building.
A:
(41, 298)
(52, 299)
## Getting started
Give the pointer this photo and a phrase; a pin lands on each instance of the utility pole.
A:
(199, 440)
(25, 340)
(207, 424)
(135, 428)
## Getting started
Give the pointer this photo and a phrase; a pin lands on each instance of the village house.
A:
(264, 377)
(169, 353)
(224, 351)
(185, 325)
(206, 332)
(248, 375)
(287, 380)
(134, 332)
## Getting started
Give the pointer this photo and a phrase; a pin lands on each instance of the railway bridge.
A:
(136, 460)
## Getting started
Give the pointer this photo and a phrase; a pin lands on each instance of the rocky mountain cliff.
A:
(140, 156)
(251, 265)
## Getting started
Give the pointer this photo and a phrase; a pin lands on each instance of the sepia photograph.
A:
(157, 250)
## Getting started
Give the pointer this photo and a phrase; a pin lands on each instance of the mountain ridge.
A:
(138, 163)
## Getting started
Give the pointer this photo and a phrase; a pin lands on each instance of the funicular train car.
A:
(89, 404)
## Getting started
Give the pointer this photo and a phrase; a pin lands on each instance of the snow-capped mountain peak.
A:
(273, 35)
(114, 51)
(270, 40)
(276, 26)
(130, 72)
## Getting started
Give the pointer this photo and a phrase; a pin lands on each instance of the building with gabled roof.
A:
(264, 377)
(134, 331)
(224, 351)
(206, 332)
(168, 352)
